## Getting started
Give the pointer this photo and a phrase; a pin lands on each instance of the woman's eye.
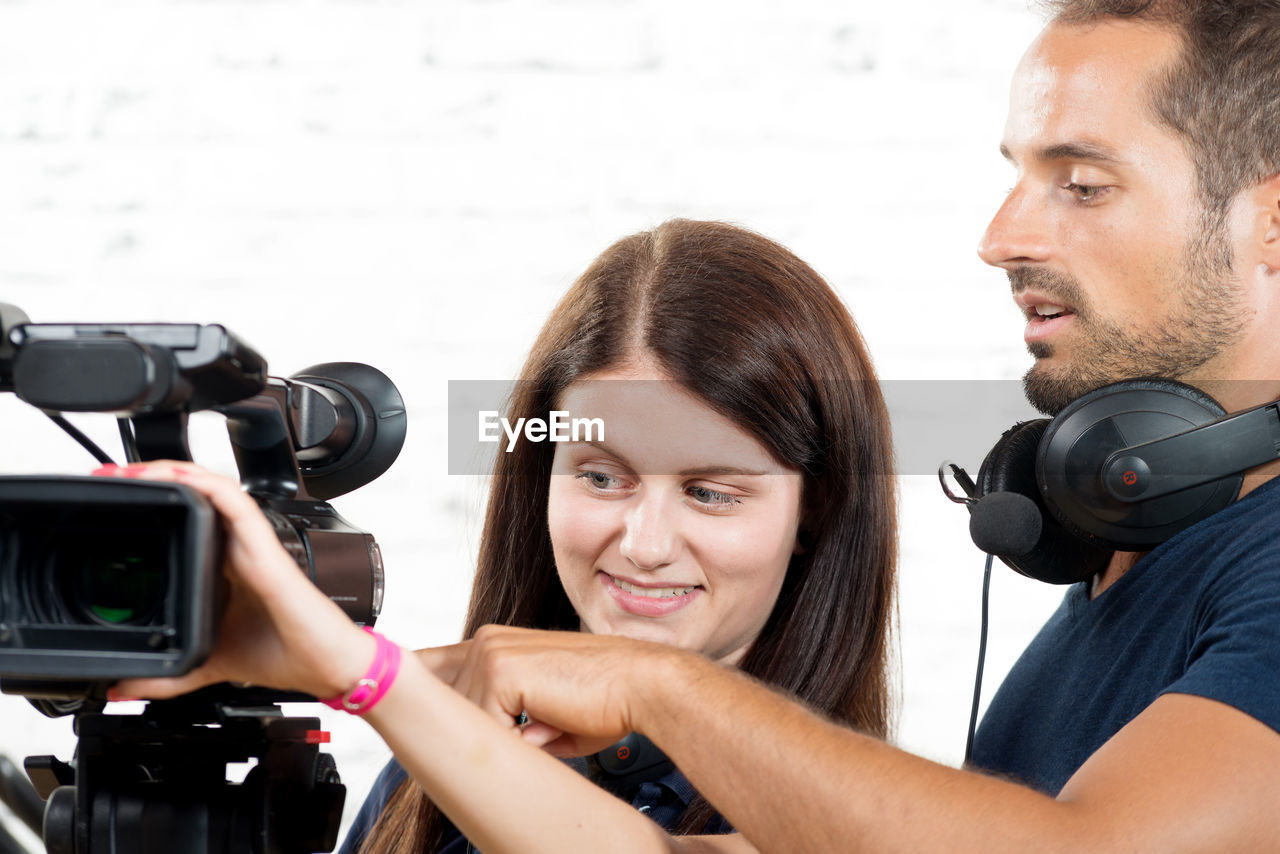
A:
(600, 480)
(711, 497)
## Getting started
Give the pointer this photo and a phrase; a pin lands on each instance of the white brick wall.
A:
(413, 184)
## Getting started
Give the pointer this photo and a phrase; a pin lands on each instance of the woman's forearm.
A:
(502, 793)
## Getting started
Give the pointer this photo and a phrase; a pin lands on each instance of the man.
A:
(1142, 237)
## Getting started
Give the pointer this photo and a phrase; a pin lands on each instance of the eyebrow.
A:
(1071, 151)
(703, 471)
(696, 471)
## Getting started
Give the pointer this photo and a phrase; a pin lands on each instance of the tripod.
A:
(156, 783)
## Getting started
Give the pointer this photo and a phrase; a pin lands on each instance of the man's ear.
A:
(1268, 222)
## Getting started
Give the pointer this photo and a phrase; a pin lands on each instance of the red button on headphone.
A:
(1133, 474)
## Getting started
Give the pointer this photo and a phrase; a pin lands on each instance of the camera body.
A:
(107, 578)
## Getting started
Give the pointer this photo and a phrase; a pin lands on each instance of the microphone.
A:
(1006, 524)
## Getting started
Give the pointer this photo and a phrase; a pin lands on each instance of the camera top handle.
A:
(327, 430)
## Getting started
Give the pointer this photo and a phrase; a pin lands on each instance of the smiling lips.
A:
(648, 601)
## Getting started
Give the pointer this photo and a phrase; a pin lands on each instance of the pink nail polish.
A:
(102, 471)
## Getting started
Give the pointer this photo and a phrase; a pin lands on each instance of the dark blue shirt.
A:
(1200, 614)
(663, 800)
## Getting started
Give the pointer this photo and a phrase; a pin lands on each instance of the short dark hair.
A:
(1222, 95)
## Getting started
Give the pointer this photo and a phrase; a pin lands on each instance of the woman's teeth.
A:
(653, 592)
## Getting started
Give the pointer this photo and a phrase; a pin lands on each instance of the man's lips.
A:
(1045, 315)
(1041, 328)
(1036, 302)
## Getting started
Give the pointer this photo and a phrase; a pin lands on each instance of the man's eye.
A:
(712, 497)
(1084, 192)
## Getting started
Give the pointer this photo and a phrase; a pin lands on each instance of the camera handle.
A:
(161, 436)
(157, 782)
(262, 443)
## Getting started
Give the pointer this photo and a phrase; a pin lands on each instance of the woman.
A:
(742, 506)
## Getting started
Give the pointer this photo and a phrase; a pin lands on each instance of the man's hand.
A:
(579, 690)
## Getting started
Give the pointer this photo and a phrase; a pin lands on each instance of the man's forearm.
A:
(789, 780)
(1187, 774)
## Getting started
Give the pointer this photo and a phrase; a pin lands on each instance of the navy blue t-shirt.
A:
(1200, 614)
(663, 800)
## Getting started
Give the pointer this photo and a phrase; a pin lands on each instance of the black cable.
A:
(982, 657)
(19, 795)
(129, 441)
(85, 441)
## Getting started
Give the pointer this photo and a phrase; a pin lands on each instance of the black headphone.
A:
(1125, 467)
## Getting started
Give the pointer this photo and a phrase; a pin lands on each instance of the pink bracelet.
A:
(373, 686)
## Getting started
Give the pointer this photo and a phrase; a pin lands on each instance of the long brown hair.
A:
(757, 334)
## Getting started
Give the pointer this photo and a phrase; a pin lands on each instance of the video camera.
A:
(107, 578)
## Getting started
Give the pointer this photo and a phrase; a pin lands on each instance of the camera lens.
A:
(101, 580)
(115, 589)
(114, 577)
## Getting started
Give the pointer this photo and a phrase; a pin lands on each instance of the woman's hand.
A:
(279, 630)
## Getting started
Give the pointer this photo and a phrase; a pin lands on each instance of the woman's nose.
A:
(650, 540)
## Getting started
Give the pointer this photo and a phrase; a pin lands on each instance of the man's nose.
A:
(651, 540)
(1017, 234)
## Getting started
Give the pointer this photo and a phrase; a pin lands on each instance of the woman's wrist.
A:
(350, 665)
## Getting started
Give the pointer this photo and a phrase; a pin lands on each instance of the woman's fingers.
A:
(253, 545)
(163, 689)
(278, 630)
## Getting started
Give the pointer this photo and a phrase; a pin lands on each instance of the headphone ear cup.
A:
(1011, 465)
(1058, 557)
(1078, 442)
